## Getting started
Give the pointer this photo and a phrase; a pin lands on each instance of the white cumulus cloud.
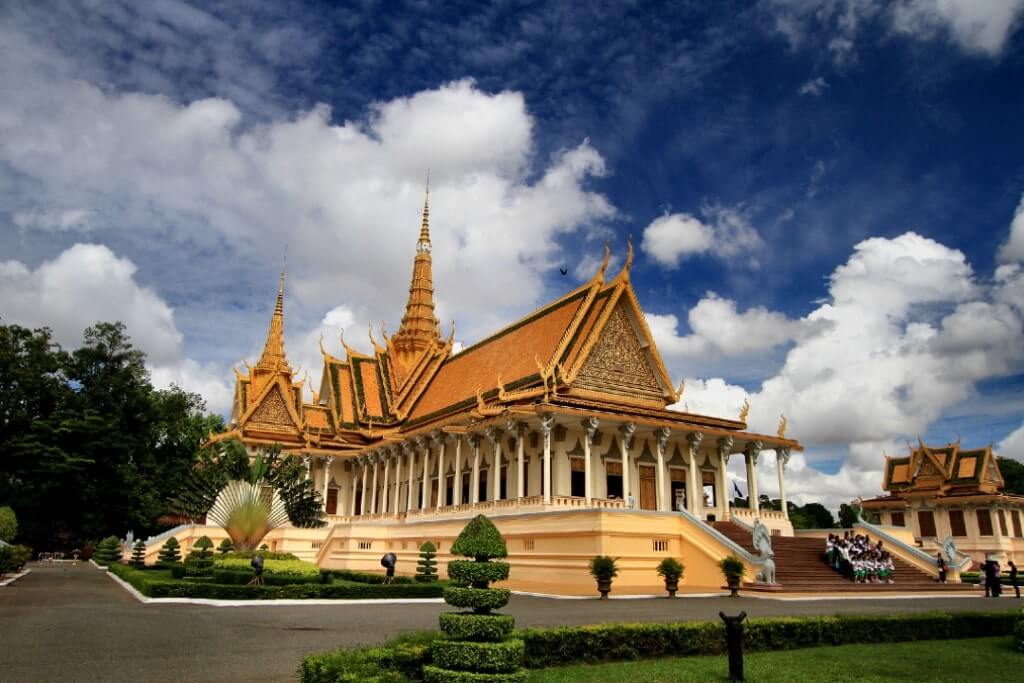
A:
(724, 232)
(1013, 249)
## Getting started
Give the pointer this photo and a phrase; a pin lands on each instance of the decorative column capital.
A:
(408, 448)
(328, 461)
(547, 423)
(782, 455)
(474, 439)
(306, 460)
(694, 439)
(725, 448)
(516, 428)
(662, 436)
(627, 431)
(590, 428)
(494, 435)
(753, 450)
(439, 438)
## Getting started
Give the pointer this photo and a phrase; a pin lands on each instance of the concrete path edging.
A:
(14, 577)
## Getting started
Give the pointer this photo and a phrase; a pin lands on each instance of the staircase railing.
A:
(164, 535)
(733, 547)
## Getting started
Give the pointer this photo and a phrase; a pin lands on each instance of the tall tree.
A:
(1013, 474)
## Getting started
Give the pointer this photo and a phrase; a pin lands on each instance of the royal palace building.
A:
(557, 427)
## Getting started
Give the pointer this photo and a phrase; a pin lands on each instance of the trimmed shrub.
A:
(170, 553)
(13, 558)
(200, 561)
(480, 540)
(476, 574)
(477, 646)
(483, 657)
(178, 571)
(225, 547)
(732, 567)
(139, 554)
(108, 551)
(478, 627)
(232, 577)
(267, 555)
(670, 569)
(426, 566)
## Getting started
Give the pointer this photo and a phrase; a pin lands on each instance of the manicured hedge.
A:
(503, 657)
(293, 568)
(611, 642)
(480, 599)
(476, 574)
(364, 577)
(234, 577)
(432, 674)
(161, 587)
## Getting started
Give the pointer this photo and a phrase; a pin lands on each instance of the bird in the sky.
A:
(563, 271)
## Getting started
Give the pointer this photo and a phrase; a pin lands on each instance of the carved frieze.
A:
(617, 362)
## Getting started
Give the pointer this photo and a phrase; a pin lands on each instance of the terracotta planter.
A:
(604, 586)
(733, 582)
(671, 586)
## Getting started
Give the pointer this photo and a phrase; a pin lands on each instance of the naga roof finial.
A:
(745, 410)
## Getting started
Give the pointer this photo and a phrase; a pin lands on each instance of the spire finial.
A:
(425, 226)
(273, 357)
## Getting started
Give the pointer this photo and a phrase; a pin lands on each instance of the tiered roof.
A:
(588, 352)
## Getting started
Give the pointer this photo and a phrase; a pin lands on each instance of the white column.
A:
(695, 497)
(384, 489)
(520, 434)
(373, 500)
(781, 460)
(396, 501)
(354, 488)
(307, 461)
(724, 450)
(424, 443)
(624, 445)
(439, 439)
(412, 465)
(474, 483)
(457, 486)
(752, 451)
(363, 501)
(327, 478)
(589, 429)
(547, 422)
(661, 437)
(494, 435)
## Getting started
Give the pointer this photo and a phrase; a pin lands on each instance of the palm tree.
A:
(249, 496)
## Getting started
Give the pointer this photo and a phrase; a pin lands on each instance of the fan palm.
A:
(248, 497)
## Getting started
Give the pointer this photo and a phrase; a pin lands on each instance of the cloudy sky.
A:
(827, 196)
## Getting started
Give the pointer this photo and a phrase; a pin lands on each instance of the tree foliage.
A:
(1013, 475)
(8, 524)
(89, 447)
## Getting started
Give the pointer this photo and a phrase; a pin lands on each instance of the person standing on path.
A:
(1013, 578)
(941, 563)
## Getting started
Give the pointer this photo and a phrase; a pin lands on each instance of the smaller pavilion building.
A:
(942, 491)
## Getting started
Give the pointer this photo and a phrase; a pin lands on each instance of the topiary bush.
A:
(225, 547)
(108, 551)
(476, 645)
(139, 554)
(170, 553)
(426, 567)
(200, 561)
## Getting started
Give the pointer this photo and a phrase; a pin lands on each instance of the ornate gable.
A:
(620, 362)
(272, 412)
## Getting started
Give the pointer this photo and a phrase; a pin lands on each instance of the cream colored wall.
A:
(1003, 547)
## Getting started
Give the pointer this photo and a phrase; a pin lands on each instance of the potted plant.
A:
(604, 569)
(671, 570)
(733, 569)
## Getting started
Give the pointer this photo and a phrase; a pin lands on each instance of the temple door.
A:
(433, 494)
(648, 488)
(926, 521)
(332, 501)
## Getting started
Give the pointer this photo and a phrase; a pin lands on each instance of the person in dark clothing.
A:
(997, 584)
(986, 569)
(941, 564)
(1013, 578)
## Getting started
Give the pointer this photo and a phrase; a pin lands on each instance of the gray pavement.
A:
(73, 622)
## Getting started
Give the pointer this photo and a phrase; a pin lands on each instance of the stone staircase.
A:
(799, 567)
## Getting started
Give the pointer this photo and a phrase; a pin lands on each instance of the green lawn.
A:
(937, 660)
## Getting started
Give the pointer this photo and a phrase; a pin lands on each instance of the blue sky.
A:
(824, 194)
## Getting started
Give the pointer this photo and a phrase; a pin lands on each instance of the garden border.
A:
(285, 602)
(14, 577)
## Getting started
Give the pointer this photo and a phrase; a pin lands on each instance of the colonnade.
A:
(402, 476)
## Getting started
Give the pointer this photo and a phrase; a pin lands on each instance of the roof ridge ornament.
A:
(745, 410)
(604, 262)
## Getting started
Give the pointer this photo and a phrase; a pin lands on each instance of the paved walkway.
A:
(72, 622)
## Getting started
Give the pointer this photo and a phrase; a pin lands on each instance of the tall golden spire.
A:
(273, 357)
(419, 329)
